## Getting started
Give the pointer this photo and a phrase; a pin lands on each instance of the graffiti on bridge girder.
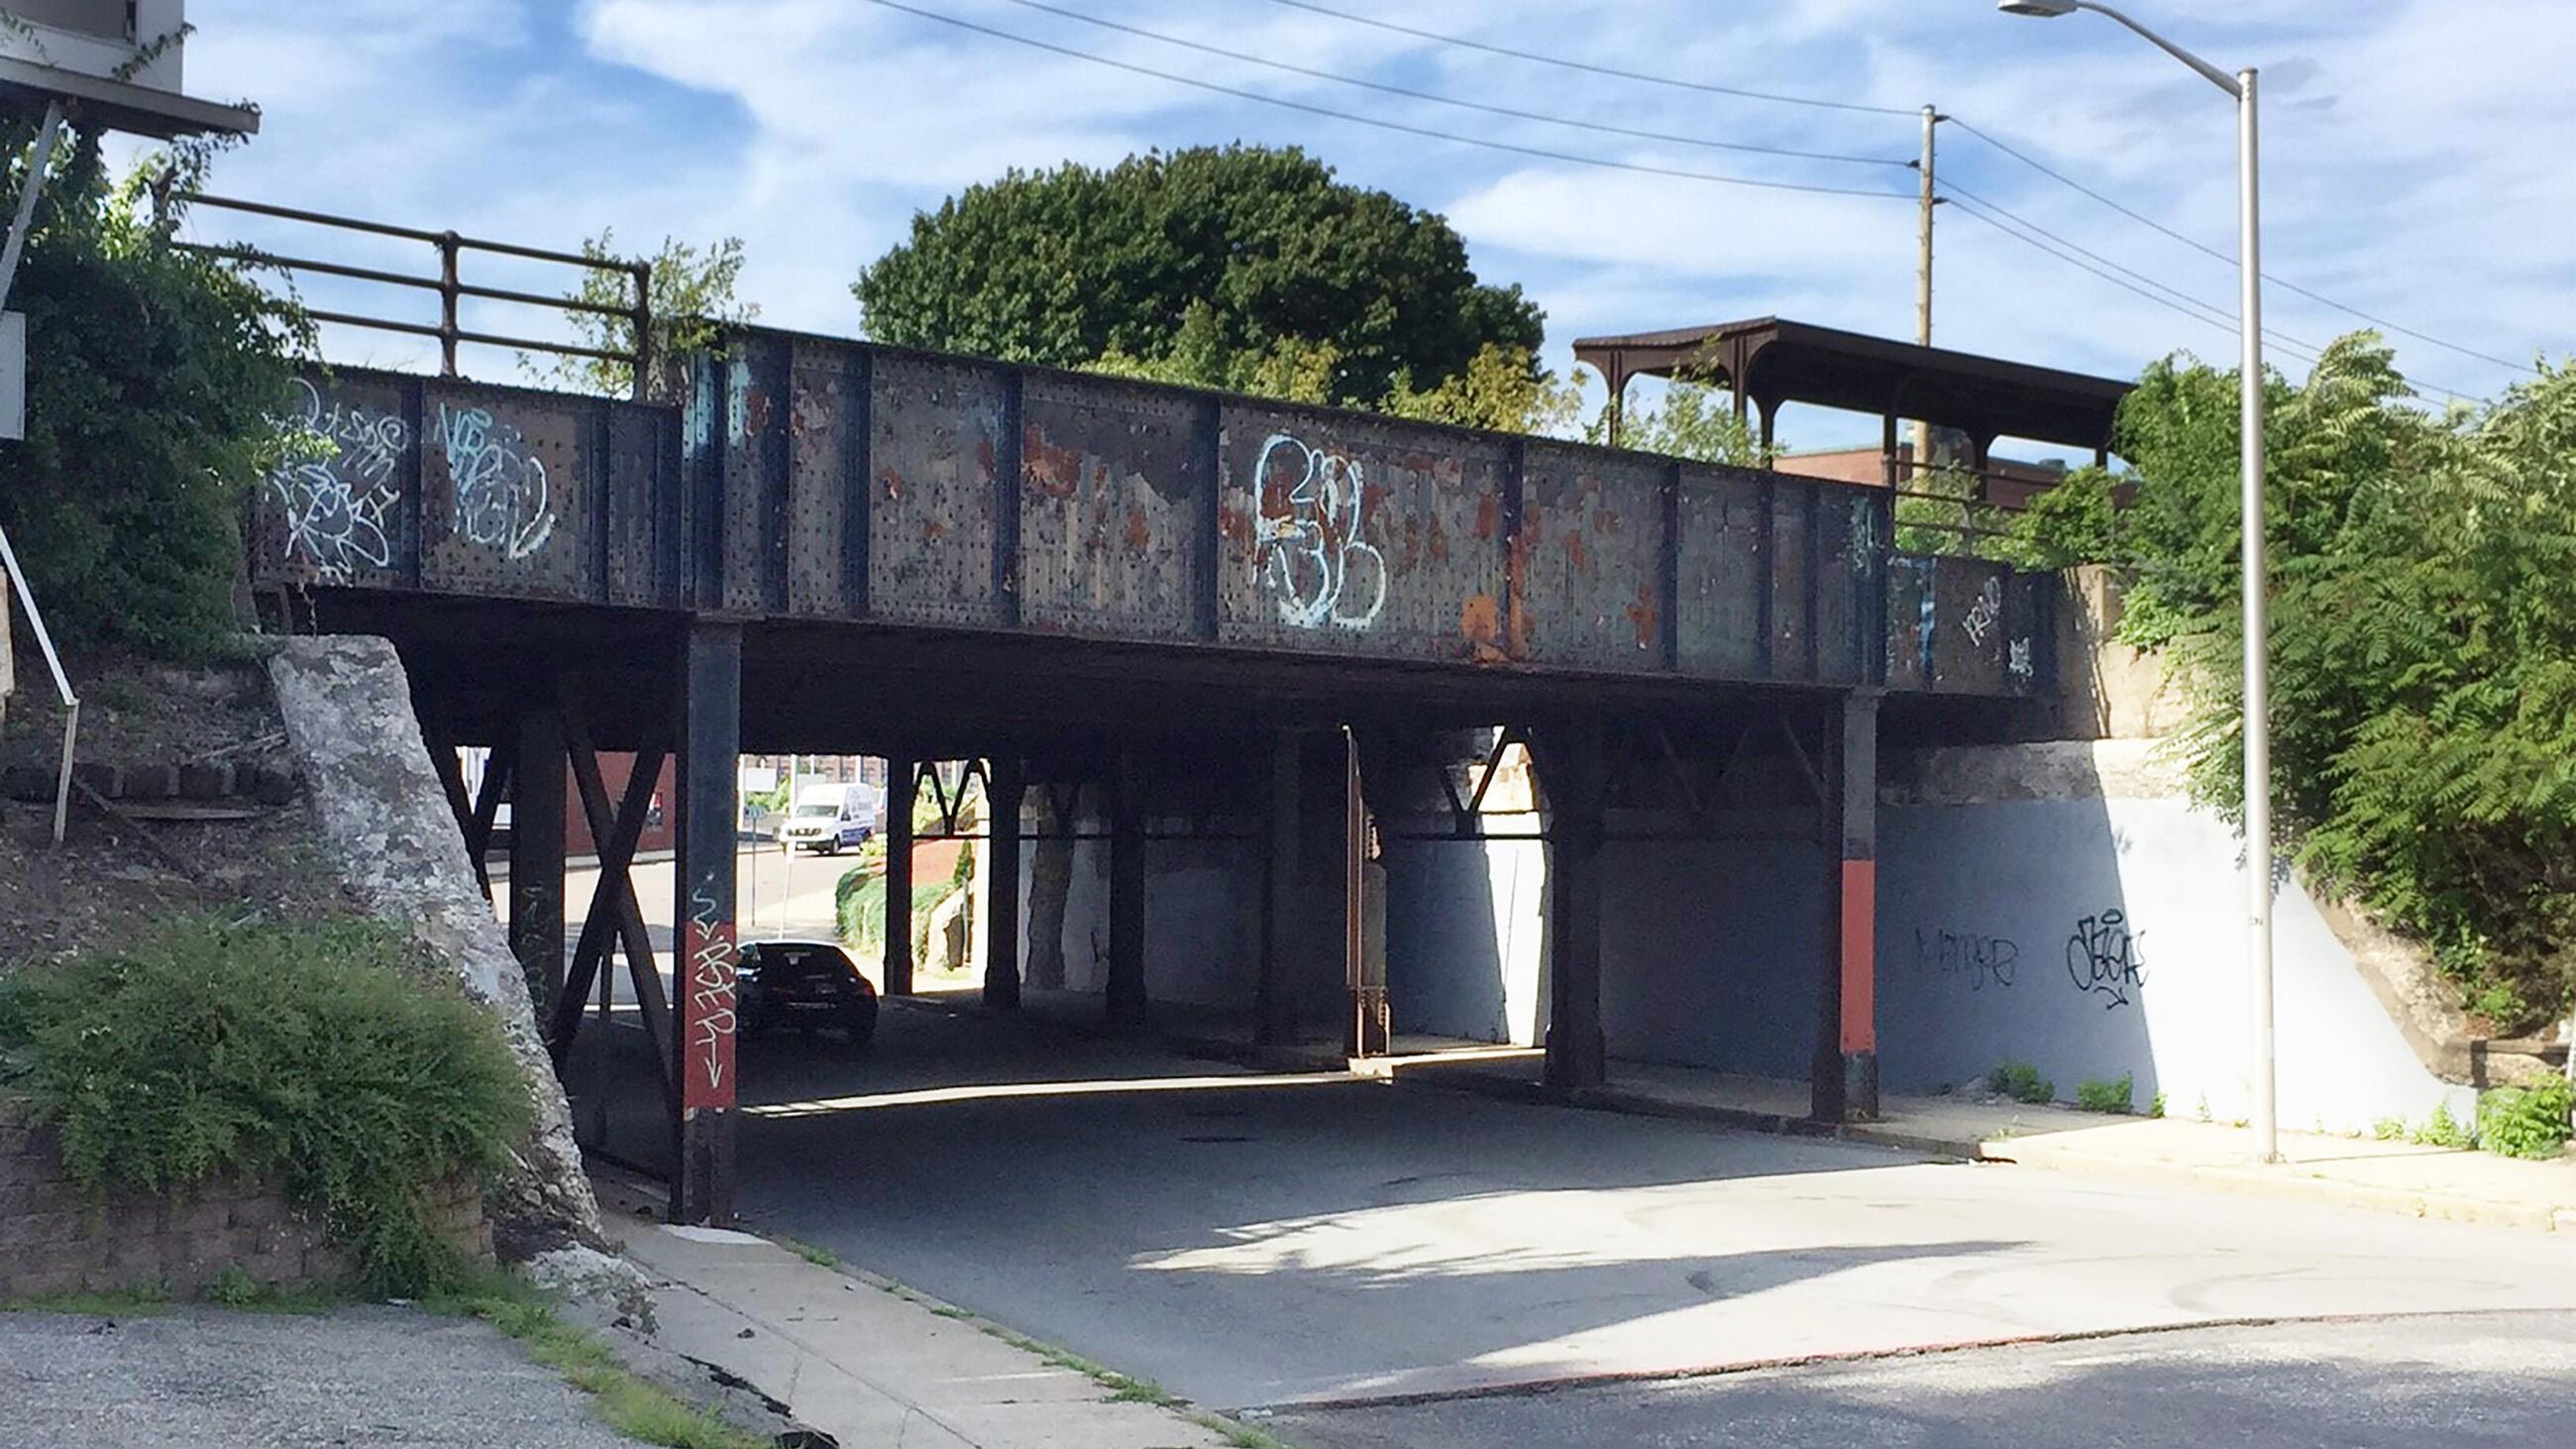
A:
(502, 498)
(339, 510)
(1311, 556)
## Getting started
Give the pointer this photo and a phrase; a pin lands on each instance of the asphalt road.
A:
(1259, 1241)
(2413, 1383)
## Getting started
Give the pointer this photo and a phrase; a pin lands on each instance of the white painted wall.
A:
(1980, 961)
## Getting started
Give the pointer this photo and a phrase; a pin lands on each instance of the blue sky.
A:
(2415, 150)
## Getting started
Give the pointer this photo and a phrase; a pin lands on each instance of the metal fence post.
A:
(643, 329)
(447, 323)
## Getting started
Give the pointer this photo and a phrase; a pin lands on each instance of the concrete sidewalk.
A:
(2424, 1182)
(2399, 1177)
(869, 1362)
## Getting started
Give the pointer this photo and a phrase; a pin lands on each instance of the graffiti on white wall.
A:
(1980, 961)
(2102, 958)
(339, 509)
(502, 498)
(1311, 556)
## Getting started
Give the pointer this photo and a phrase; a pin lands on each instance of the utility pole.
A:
(1923, 289)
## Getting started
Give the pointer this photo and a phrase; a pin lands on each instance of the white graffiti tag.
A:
(501, 495)
(1983, 614)
(1311, 555)
(339, 509)
(2017, 659)
(710, 1003)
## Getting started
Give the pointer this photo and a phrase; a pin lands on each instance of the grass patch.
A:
(234, 1288)
(332, 1058)
(2119, 1095)
(819, 1257)
(110, 1303)
(2022, 1082)
(633, 1406)
(2439, 1130)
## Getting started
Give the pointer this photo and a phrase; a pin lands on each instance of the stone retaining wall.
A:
(56, 1237)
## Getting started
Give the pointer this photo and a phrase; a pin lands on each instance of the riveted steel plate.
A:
(1720, 578)
(341, 512)
(506, 491)
(755, 475)
(934, 443)
(1972, 633)
(1847, 570)
(1913, 617)
(643, 506)
(1792, 571)
(1114, 484)
(1592, 525)
(826, 448)
(1361, 536)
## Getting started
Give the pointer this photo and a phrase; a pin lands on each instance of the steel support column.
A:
(537, 856)
(1363, 916)
(1004, 784)
(1274, 1001)
(1126, 986)
(1575, 773)
(1844, 1082)
(710, 732)
(903, 783)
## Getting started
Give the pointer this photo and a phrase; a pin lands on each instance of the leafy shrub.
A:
(2527, 1122)
(2156, 1108)
(2439, 1130)
(148, 414)
(2120, 1095)
(322, 1055)
(2389, 1129)
(2022, 1082)
(2423, 642)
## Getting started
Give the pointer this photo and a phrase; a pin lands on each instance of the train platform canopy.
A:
(1767, 361)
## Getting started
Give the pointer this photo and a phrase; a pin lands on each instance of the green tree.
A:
(1181, 265)
(154, 376)
(1693, 421)
(2423, 614)
(691, 295)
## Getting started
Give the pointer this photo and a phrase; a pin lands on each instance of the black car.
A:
(808, 984)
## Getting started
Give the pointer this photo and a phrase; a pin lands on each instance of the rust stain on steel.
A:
(984, 455)
(1053, 471)
(1516, 574)
(1438, 539)
(1489, 515)
(1575, 557)
(1479, 625)
(1642, 615)
(893, 482)
(1137, 535)
(1234, 525)
(755, 411)
(933, 529)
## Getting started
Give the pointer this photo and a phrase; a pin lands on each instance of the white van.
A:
(827, 817)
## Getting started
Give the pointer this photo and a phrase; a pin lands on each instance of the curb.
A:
(2292, 1184)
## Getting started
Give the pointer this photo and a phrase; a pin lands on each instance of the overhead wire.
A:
(1434, 97)
(1426, 132)
(1588, 68)
(2196, 244)
(1988, 138)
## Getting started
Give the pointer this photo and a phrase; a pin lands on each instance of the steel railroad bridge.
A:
(1306, 629)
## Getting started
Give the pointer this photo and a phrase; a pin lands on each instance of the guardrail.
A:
(452, 289)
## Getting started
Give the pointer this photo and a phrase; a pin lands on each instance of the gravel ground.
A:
(208, 1379)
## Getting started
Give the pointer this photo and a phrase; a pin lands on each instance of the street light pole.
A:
(2258, 677)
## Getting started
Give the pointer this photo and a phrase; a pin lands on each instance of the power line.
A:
(1543, 153)
(2207, 250)
(1589, 69)
(1435, 98)
(2052, 173)
(2188, 306)
(1961, 193)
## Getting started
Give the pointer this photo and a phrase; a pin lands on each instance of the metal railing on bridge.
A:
(449, 249)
